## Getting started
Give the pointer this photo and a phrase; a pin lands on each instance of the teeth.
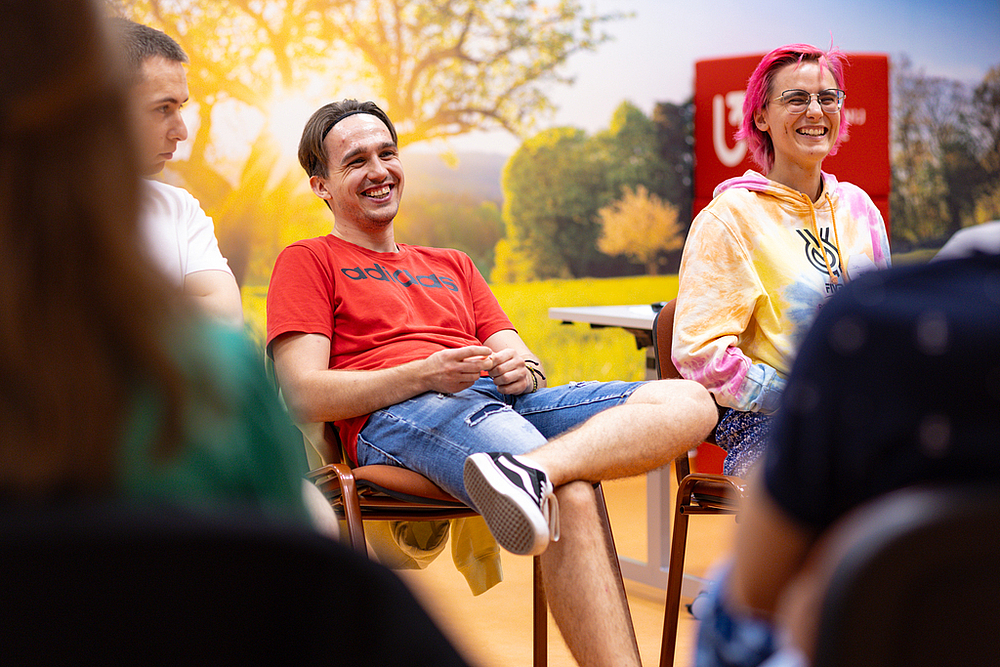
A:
(381, 192)
(813, 131)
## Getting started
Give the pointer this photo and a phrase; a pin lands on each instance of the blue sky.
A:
(652, 56)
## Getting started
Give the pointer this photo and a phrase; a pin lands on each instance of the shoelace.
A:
(550, 509)
(547, 501)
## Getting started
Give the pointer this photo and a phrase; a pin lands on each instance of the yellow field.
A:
(570, 352)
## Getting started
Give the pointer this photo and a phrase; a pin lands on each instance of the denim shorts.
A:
(433, 434)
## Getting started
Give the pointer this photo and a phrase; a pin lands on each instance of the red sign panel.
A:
(863, 159)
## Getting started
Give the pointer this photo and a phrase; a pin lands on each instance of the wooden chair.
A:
(390, 493)
(697, 493)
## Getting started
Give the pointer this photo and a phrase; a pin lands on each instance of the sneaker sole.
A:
(513, 527)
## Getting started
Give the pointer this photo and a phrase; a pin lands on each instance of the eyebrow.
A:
(170, 99)
(357, 151)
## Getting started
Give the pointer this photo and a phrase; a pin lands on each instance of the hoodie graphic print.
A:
(759, 262)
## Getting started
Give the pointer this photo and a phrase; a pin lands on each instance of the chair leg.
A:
(602, 508)
(675, 579)
(344, 479)
(540, 616)
(540, 606)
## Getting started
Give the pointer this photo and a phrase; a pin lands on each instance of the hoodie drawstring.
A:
(819, 240)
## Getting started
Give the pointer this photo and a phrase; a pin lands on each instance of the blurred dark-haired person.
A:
(111, 383)
(895, 385)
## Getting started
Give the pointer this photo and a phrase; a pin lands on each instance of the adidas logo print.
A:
(401, 277)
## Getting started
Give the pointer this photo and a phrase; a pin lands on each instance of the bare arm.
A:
(510, 372)
(316, 393)
(770, 550)
(217, 294)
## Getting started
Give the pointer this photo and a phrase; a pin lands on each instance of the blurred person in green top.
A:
(110, 385)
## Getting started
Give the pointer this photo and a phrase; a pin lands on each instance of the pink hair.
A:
(759, 92)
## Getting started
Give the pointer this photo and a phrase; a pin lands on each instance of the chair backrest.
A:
(663, 332)
(320, 440)
(118, 584)
(323, 447)
(911, 579)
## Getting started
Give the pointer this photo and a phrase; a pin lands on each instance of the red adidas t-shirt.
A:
(379, 310)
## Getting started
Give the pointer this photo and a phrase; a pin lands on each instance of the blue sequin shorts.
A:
(744, 436)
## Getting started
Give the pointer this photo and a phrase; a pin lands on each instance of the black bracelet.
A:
(535, 367)
(535, 374)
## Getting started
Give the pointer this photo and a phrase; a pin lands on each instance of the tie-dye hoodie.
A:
(753, 277)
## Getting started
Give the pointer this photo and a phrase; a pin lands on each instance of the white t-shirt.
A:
(179, 236)
(984, 237)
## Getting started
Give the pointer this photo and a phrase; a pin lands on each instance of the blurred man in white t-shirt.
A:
(180, 236)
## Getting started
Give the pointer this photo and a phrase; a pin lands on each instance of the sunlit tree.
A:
(558, 181)
(917, 192)
(445, 68)
(640, 226)
(553, 186)
(631, 150)
(440, 69)
(945, 153)
(986, 117)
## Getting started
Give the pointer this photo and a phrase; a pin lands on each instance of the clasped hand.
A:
(458, 369)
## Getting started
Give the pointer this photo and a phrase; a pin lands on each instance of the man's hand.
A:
(451, 371)
(510, 374)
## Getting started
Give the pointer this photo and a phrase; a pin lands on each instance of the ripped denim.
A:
(433, 434)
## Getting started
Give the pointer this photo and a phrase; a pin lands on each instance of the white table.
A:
(638, 320)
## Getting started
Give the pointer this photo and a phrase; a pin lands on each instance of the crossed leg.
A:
(658, 422)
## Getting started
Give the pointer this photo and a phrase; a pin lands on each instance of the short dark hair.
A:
(312, 155)
(138, 42)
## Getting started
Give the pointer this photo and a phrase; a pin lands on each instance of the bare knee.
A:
(576, 496)
(686, 398)
(669, 391)
(700, 406)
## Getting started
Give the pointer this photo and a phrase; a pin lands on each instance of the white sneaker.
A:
(516, 499)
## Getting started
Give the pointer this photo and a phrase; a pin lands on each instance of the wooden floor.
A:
(494, 629)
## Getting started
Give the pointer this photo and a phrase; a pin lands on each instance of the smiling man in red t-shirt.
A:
(408, 353)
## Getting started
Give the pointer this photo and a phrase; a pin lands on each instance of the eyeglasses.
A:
(797, 101)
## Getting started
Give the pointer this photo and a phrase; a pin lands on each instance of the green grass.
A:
(569, 352)
(575, 351)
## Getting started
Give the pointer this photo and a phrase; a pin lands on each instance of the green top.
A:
(240, 446)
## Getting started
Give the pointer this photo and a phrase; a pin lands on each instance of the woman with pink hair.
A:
(764, 256)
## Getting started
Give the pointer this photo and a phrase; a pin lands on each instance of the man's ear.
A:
(318, 185)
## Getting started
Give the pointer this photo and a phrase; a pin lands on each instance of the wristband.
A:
(535, 367)
(535, 374)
